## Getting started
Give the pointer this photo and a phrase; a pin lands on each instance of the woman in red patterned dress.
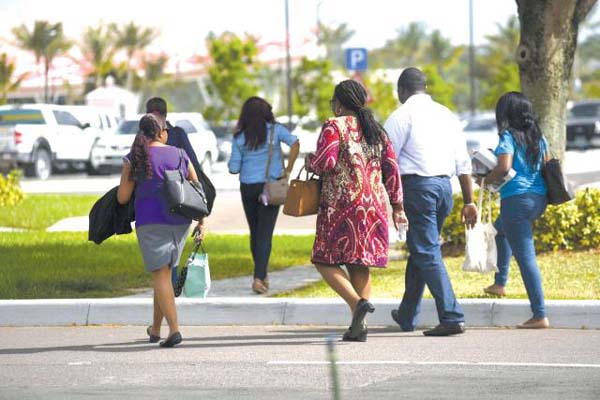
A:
(357, 165)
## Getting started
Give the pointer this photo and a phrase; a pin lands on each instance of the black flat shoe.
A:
(172, 340)
(446, 330)
(362, 336)
(358, 319)
(153, 338)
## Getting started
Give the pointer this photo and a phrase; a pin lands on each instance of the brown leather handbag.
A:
(303, 196)
(275, 192)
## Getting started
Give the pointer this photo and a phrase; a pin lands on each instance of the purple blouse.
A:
(150, 203)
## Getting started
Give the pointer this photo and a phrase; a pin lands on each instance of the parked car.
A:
(307, 131)
(224, 132)
(583, 125)
(481, 131)
(107, 154)
(40, 137)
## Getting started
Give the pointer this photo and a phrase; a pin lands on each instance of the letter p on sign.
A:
(356, 59)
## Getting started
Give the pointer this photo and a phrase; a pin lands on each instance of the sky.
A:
(184, 24)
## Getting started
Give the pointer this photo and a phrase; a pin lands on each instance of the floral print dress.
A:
(352, 224)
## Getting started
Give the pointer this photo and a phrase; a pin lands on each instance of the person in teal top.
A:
(528, 178)
(522, 200)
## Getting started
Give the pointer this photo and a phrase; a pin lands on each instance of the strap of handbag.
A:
(489, 208)
(181, 158)
(307, 177)
(272, 136)
(480, 200)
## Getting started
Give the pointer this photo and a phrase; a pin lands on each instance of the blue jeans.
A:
(427, 203)
(515, 237)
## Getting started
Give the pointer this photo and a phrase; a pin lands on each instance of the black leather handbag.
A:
(559, 190)
(184, 197)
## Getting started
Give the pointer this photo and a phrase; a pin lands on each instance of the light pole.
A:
(288, 63)
(472, 99)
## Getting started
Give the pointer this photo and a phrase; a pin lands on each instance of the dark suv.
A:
(583, 125)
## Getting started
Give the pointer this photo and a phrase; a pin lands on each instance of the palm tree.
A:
(406, 49)
(8, 83)
(46, 41)
(132, 38)
(440, 52)
(333, 39)
(98, 48)
(506, 40)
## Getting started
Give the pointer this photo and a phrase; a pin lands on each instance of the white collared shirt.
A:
(428, 139)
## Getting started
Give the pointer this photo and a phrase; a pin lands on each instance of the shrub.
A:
(555, 229)
(570, 226)
(587, 229)
(10, 191)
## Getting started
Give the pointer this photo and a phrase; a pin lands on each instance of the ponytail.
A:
(150, 128)
(140, 158)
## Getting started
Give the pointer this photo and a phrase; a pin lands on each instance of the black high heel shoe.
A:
(358, 319)
(362, 336)
(152, 338)
(172, 340)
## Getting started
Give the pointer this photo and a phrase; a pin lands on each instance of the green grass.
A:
(65, 265)
(565, 275)
(39, 211)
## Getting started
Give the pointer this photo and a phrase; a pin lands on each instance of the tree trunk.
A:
(46, 71)
(545, 57)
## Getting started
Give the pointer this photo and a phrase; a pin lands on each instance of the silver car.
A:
(108, 152)
(481, 132)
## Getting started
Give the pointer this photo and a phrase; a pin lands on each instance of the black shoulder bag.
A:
(184, 197)
(559, 190)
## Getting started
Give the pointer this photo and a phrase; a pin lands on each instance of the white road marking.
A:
(80, 363)
(460, 363)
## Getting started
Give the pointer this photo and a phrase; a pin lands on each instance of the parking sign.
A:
(356, 59)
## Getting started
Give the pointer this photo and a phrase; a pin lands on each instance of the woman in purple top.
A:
(161, 234)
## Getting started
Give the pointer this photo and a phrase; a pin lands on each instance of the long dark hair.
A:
(514, 112)
(353, 96)
(150, 128)
(255, 114)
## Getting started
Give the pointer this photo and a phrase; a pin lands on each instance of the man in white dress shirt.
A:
(431, 148)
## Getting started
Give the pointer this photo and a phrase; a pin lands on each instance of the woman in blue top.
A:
(523, 199)
(249, 155)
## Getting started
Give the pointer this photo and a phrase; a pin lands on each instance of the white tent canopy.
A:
(113, 99)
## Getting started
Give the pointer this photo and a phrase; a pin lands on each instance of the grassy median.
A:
(39, 211)
(39, 264)
(565, 275)
(65, 265)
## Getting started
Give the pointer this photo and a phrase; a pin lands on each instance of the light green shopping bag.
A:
(197, 281)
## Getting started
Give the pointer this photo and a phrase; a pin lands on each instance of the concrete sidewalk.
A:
(282, 311)
(281, 281)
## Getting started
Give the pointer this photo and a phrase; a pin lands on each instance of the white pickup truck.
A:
(40, 137)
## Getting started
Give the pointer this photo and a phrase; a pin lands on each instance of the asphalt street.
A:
(291, 362)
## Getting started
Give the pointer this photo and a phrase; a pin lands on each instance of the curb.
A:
(577, 314)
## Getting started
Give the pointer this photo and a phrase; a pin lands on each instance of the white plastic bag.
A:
(481, 254)
(475, 249)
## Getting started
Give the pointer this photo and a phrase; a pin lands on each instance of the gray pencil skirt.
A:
(161, 244)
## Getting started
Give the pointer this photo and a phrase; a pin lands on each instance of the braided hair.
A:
(514, 112)
(353, 96)
(150, 129)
